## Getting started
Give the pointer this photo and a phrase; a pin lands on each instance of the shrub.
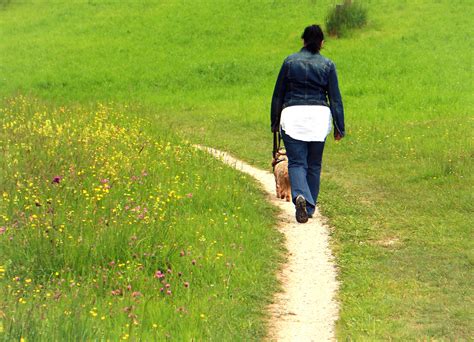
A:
(344, 17)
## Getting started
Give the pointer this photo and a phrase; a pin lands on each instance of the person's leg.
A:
(313, 175)
(297, 153)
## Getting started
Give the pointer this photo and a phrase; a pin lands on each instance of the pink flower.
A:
(104, 181)
(2, 230)
(57, 179)
(182, 253)
(193, 262)
(117, 292)
(186, 284)
(190, 195)
(167, 286)
(159, 275)
(168, 292)
(136, 294)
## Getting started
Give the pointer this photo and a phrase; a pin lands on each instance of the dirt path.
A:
(306, 309)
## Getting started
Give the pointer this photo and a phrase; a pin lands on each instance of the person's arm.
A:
(335, 103)
(277, 99)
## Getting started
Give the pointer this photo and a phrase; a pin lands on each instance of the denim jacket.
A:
(308, 79)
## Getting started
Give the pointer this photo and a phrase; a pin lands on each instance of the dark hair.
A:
(313, 36)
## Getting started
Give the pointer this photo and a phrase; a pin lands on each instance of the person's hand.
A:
(275, 129)
(337, 136)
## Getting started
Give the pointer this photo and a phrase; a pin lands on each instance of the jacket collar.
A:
(304, 49)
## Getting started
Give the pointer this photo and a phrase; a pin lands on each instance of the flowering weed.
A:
(107, 233)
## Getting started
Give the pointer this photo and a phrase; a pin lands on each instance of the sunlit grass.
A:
(108, 233)
(397, 189)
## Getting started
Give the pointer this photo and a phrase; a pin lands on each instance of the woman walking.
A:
(305, 99)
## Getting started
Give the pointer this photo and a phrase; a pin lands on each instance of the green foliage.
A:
(109, 233)
(397, 188)
(345, 17)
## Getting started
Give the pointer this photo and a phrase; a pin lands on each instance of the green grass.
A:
(94, 211)
(205, 71)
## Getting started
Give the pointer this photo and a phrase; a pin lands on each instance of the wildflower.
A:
(186, 284)
(57, 179)
(2, 230)
(168, 292)
(117, 292)
(136, 294)
(190, 195)
(128, 309)
(159, 275)
(193, 261)
(167, 286)
(181, 253)
(104, 181)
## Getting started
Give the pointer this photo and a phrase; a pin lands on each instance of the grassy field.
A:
(108, 233)
(397, 190)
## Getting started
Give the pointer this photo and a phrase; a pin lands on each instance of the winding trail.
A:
(306, 310)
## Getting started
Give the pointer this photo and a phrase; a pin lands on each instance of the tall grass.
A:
(108, 233)
(344, 17)
(396, 189)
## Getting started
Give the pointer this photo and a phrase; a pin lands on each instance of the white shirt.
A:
(306, 123)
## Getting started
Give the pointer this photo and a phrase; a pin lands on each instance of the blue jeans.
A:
(304, 168)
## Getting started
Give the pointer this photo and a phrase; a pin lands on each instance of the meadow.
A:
(108, 233)
(397, 190)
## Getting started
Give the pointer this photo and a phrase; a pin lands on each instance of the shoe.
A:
(301, 213)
